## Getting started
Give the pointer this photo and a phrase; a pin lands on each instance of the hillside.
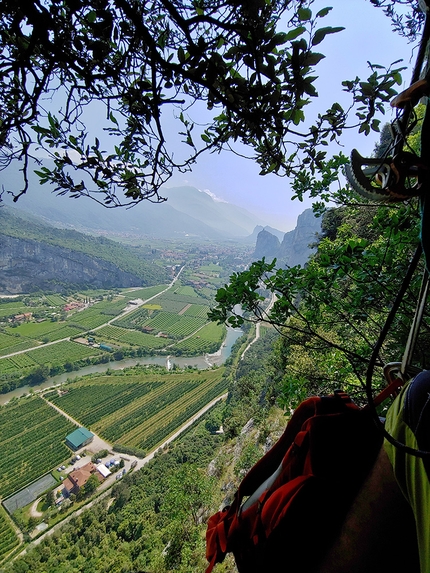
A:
(35, 255)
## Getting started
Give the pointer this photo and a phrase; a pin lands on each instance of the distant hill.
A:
(187, 213)
(34, 255)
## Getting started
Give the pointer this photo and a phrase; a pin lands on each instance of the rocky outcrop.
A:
(295, 248)
(267, 245)
(26, 266)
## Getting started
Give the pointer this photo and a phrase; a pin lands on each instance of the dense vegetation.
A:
(8, 536)
(332, 311)
(32, 436)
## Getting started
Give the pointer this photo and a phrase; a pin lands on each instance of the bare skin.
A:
(379, 531)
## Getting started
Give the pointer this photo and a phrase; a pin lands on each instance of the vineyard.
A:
(8, 537)
(140, 410)
(54, 355)
(41, 330)
(175, 325)
(132, 337)
(32, 437)
(11, 343)
(207, 340)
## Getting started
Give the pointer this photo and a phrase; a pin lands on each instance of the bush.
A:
(129, 450)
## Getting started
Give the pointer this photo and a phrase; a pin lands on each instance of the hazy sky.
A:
(367, 37)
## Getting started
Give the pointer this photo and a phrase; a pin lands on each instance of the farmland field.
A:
(207, 340)
(174, 324)
(8, 537)
(11, 343)
(32, 436)
(38, 330)
(133, 337)
(140, 408)
(54, 354)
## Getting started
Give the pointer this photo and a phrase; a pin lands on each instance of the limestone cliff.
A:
(267, 245)
(295, 248)
(27, 265)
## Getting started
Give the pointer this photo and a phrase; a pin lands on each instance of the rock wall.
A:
(295, 247)
(26, 266)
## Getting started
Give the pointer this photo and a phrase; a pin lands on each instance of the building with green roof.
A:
(79, 438)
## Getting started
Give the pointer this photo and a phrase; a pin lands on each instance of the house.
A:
(79, 438)
(79, 477)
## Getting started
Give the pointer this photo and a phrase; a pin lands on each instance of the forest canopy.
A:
(249, 66)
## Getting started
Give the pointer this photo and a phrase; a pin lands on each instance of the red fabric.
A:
(326, 450)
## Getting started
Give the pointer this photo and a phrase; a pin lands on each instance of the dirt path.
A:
(33, 509)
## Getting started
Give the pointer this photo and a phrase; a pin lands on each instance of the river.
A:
(200, 362)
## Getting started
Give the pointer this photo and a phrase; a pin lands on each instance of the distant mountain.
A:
(187, 213)
(295, 247)
(34, 255)
(267, 245)
(251, 239)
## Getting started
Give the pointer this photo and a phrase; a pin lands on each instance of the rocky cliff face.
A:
(294, 249)
(26, 266)
(267, 245)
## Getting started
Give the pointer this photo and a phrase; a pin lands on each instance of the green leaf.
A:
(293, 34)
(313, 58)
(91, 17)
(304, 14)
(323, 12)
(322, 33)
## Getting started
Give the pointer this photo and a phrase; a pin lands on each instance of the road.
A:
(257, 326)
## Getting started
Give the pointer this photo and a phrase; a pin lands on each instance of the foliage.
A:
(8, 537)
(331, 312)
(132, 61)
(252, 388)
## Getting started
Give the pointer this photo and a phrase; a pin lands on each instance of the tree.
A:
(91, 485)
(130, 61)
(331, 312)
(50, 498)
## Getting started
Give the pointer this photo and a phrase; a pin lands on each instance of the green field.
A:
(132, 337)
(207, 340)
(53, 355)
(140, 408)
(32, 442)
(8, 538)
(174, 324)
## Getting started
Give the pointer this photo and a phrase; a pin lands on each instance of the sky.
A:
(367, 37)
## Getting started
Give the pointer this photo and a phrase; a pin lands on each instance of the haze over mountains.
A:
(188, 212)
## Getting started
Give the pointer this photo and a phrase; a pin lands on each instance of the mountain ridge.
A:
(188, 212)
